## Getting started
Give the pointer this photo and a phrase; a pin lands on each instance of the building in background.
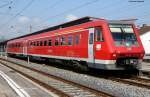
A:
(144, 32)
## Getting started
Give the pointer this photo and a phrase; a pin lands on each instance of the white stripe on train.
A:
(98, 61)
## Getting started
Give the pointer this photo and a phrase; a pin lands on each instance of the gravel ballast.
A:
(108, 86)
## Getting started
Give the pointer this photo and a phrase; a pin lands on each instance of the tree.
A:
(2, 38)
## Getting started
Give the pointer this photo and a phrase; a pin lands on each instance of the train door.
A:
(25, 48)
(91, 45)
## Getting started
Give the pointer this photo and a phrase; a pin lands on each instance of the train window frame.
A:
(77, 39)
(56, 41)
(50, 42)
(30, 43)
(34, 43)
(45, 43)
(63, 40)
(70, 40)
(91, 40)
(101, 36)
(37, 43)
(41, 43)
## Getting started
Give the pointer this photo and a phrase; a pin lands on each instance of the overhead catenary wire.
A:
(10, 14)
(72, 9)
(44, 10)
(4, 5)
(79, 6)
(125, 11)
(51, 6)
(12, 18)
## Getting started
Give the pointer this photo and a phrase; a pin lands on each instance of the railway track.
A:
(136, 81)
(62, 87)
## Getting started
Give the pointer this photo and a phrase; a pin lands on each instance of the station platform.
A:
(12, 84)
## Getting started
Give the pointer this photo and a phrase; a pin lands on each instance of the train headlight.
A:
(127, 44)
(114, 55)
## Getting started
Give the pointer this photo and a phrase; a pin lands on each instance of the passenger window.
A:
(50, 42)
(77, 39)
(56, 41)
(34, 43)
(37, 43)
(91, 38)
(99, 35)
(63, 40)
(70, 40)
(45, 43)
(40, 43)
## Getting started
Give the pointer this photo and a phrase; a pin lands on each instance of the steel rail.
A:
(94, 91)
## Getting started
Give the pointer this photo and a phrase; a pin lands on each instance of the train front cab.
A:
(128, 47)
(114, 47)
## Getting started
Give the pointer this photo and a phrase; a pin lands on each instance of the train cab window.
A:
(50, 42)
(70, 40)
(41, 43)
(45, 43)
(63, 41)
(56, 41)
(99, 35)
(77, 39)
(37, 43)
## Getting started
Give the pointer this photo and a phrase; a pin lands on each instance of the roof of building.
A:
(144, 29)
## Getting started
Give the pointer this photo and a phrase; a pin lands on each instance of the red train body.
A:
(100, 43)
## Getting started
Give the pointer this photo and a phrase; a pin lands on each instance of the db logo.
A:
(98, 47)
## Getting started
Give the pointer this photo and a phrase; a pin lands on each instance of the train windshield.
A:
(123, 35)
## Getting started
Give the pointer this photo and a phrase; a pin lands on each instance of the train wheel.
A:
(80, 66)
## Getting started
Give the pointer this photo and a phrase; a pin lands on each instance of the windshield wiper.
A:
(122, 36)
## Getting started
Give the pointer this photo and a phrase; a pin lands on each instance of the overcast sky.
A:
(18, 16)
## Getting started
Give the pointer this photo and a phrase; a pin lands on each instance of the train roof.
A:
(64, 25)
(71, 23)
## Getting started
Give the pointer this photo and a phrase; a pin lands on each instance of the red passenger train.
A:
(91, 42)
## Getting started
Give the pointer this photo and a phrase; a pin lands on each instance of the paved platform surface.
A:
(5, 90)
(24, 85)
